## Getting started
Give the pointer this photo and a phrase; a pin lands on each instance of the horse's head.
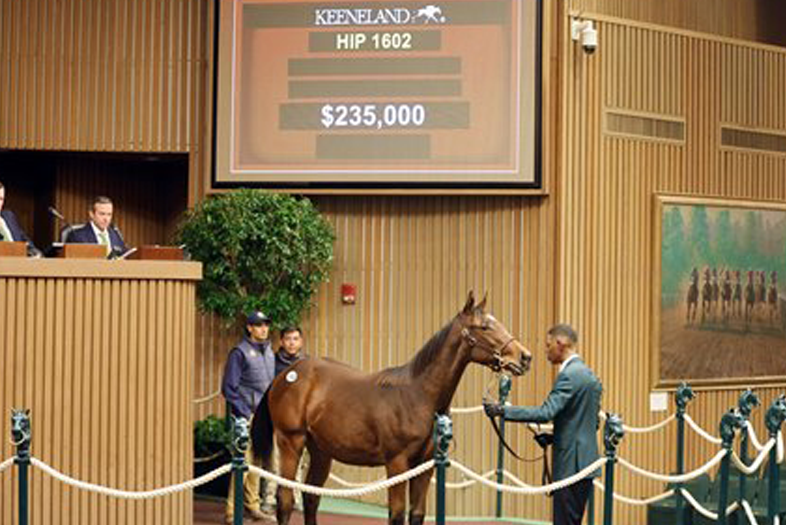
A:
(20, 425)
(489, 341)
(776, 414)
(747, 402)
(613, 431)
(730, 423)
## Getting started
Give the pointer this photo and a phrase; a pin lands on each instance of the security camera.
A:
(585, 32)
(589, 40)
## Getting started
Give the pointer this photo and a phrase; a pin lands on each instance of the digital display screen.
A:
(411, 93)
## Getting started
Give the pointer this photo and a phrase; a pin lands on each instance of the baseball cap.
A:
(257, 317)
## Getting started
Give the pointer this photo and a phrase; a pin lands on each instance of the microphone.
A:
(55, 213)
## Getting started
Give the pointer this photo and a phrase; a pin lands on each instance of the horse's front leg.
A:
(418, 489)
(397, 494)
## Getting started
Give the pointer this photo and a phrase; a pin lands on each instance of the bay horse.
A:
(384, 418)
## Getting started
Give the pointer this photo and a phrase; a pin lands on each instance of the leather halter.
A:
(472, 341)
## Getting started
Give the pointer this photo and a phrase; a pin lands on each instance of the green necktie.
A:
(5, 231)
(103, 238)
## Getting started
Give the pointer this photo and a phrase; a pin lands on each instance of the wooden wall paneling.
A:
(100, 75)
(605, 192)
(82, 379)
(754, 20)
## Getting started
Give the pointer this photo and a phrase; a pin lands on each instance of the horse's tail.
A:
(262, 431)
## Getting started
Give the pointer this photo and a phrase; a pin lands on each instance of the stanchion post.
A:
(591, 506)
(443, 433)
(682, 397)
(504, 391)
(747, 402)
(240, 440)
(730, 423)
(612, 434)
(774, 418)
(20, 437)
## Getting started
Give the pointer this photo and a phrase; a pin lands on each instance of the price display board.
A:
(378, 93)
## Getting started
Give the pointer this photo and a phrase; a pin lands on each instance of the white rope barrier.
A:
(757, 463)
(672, 478)
(749, 512)
(528, 489)
(643, 430)
(207, 398)
(466, 410)
(467, 482)
(636, 502)
(344, 493)
(704, 511)
(125, 494)
(345, 483)
(752, 436)
(700, 431)
(7, 463)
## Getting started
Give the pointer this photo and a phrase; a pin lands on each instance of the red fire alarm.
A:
(348, 293)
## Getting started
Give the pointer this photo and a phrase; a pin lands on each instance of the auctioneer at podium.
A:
(99, 229)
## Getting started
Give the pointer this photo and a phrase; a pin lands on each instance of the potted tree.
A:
(212, 440)
(259, 251)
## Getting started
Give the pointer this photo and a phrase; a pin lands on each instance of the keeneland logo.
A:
(430, 14)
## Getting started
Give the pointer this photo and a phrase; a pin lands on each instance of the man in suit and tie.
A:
(573, 405)
(99, 229)
(10, 230)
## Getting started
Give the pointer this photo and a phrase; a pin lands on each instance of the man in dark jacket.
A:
(573, 405)
(99, 230)
(289, 353)
(10, 230)
(248, 373)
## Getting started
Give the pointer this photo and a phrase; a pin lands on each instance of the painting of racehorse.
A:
(720, 291)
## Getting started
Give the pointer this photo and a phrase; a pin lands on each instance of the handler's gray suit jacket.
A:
(573, 404)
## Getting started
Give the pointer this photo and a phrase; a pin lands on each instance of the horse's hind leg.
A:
(418, 489)
(318, 471)
(290, 448)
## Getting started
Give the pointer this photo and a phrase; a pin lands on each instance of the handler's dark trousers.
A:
(569, 503)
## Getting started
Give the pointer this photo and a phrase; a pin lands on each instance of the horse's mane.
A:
(399, 375)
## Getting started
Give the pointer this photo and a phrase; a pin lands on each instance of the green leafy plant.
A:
(259, 250)
(210, 436)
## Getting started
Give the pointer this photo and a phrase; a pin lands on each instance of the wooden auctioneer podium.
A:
(102, 353)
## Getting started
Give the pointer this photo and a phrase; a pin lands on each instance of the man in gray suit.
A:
(573, 405)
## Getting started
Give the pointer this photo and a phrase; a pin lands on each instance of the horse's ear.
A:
(482, 305)
(470, 304)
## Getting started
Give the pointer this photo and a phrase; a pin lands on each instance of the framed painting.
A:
(718, 298)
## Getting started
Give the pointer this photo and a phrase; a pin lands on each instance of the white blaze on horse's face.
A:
(494, 347)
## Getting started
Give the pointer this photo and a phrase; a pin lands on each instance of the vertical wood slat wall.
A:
(99, 75)
(105, 367)
(754, 20)
(93, 75)
(607, 187)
